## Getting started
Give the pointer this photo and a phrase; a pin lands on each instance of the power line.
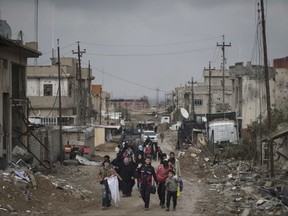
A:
(62, 48)
(151, 45)
(124, 80)
(152, 54)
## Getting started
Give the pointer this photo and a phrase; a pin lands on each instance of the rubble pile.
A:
(241, 190)
(23, 192)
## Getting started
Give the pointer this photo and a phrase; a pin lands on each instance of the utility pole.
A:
(177, 102)
(269, 124)
(192, 96)
(36, 28)
(100, 109)
(223, 45)
(89, 93)
(60, 104)
(157, 99)
(79, 78)
(209, 90)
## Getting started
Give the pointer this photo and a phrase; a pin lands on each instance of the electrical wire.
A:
(128, 81)
(152, 54)
(61, 48)
(151, 45)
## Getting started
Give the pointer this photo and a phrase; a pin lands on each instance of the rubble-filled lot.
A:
(239, 188)
(52, 194)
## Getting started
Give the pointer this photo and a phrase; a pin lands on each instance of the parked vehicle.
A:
(223, 131)
(165, 119)
(151, 134)
(175, 127)
(130, 136)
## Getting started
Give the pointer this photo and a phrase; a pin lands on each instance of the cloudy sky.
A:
(136, 46)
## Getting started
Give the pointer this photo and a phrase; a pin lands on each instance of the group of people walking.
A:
(133, 167)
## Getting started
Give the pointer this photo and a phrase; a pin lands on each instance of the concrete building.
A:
(201, 94)
(42, 91)
(249, 92)
(281, 78)
(13, 101)
(216, 80)
(99, 103)
(129, 104)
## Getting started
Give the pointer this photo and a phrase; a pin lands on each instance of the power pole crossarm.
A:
(223, 45)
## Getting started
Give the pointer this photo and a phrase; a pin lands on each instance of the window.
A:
(198, 102)
(48, 89)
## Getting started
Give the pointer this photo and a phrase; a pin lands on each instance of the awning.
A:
(275, 135)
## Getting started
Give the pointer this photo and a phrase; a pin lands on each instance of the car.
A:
(151, 134)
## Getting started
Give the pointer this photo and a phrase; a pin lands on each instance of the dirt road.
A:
(135, 206)
(79, 192)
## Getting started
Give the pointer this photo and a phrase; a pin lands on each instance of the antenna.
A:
(36, 28)
(184, 113)
(53, 26)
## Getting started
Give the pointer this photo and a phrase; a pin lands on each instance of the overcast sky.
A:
(136, 46)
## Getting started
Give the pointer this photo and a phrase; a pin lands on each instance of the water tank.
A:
(5, 29)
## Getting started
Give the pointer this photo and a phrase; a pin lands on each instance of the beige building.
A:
(99, 103)
(13, 101)
(249, 92)
(42, 91)
(281, 78)
(245, 92)
(183, 95)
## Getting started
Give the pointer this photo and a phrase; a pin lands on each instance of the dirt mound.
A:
(44, 198)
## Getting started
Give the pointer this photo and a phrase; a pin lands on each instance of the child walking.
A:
(171, 187)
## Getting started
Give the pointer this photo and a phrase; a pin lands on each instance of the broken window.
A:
(48, 89)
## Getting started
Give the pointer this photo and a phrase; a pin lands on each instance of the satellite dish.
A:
(5, 29)
(184, 113)
(122, 122)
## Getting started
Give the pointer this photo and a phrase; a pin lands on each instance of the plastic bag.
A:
(178, 191)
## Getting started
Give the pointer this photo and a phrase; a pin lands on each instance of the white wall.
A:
(254, 99)
(35, 86)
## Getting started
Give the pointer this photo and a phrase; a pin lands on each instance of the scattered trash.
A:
(85, 161)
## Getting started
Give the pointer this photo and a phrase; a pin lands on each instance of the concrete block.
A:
(246, 212)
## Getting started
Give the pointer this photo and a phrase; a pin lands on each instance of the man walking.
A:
(176, 164)
(162, 175)
(147, 173)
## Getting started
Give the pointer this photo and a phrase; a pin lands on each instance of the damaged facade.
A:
(183, 95)
(245, 92)
(42, 91)
(13, 101)
(281, 78)
(249, 92)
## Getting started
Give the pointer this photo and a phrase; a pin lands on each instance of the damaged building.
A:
(13, 85)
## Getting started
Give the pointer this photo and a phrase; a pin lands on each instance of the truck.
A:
(223, 131)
